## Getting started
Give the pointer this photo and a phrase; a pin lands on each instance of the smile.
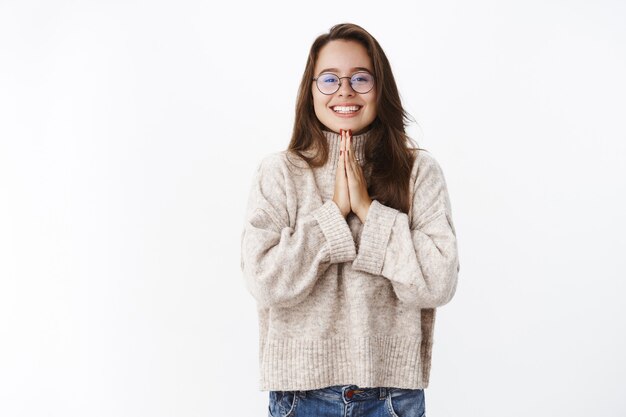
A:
(346, 109)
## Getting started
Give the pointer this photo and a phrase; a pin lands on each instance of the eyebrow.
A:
(355, 69)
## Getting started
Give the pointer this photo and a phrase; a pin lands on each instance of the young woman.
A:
(348, 245)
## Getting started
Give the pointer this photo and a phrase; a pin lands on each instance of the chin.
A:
(356, 129)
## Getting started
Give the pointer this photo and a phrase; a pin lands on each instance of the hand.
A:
(360, 200)
(342, 196)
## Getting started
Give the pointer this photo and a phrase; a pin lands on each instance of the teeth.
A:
(346, 109)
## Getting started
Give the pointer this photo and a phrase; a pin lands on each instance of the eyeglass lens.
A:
(361, 82)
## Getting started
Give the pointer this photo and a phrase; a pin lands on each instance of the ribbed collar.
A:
(334, 146)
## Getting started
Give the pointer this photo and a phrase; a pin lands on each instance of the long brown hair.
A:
(388, 156)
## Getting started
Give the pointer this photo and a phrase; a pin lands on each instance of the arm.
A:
(420, 260)
(281, 261)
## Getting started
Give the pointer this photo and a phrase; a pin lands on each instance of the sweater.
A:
(342, 302)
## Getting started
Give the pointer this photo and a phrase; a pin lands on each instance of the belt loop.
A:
(301, 394)
(383, 393)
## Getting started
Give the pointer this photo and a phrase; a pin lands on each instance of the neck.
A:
(334, 146)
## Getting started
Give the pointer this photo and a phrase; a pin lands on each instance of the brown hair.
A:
(388, 156)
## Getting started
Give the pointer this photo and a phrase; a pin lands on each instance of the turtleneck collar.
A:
(334, 146)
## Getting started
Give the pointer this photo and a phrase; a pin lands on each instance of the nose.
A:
(345, 89)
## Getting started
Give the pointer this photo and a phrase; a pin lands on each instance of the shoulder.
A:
(272, 161)
(280, 166)
(426, 168)
(286, 162)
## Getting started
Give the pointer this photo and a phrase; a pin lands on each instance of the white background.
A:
(129, 132)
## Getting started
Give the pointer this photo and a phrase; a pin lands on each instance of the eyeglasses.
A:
(328, 83)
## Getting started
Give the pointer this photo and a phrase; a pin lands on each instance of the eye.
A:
(361, 77)
(328, 79)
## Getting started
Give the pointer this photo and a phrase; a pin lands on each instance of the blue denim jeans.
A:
(348, 401)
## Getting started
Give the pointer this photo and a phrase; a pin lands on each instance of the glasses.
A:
(328, 83)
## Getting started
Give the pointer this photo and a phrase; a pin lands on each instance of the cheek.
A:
(319, 103)
(316, 103)
(373, 110)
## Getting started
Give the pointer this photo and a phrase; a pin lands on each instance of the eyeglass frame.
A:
(340, 83)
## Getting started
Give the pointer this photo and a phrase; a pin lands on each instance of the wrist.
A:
(362, 214)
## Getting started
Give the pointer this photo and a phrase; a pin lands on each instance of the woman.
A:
(348, 245)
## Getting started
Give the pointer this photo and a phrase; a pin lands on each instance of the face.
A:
(344, 109)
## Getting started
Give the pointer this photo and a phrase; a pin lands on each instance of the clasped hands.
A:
(350, 185)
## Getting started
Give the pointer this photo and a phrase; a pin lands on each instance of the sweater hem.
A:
(385, 361)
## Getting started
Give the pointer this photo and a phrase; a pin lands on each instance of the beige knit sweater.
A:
(341, 302)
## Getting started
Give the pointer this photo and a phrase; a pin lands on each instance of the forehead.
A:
(343, 56)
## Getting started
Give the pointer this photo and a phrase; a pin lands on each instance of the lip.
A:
(345, 105)
(346, 115)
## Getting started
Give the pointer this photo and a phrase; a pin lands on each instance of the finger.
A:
(353, 170)
(346, 147)
(349, 167)
(349, 146)
(342, 147)
(349, 174)
(352, 151)
(350, 155)
(341, 169)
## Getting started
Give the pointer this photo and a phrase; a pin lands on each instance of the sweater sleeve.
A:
(284, 252)
(420, 259)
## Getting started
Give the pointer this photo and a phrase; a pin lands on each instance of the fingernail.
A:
(350, 132)
(341, 131)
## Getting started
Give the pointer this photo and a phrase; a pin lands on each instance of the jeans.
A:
(348, 401)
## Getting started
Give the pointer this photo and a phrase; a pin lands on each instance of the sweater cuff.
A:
(336, 231)
(374, 238)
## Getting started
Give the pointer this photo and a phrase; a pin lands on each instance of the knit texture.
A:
(342, 302)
